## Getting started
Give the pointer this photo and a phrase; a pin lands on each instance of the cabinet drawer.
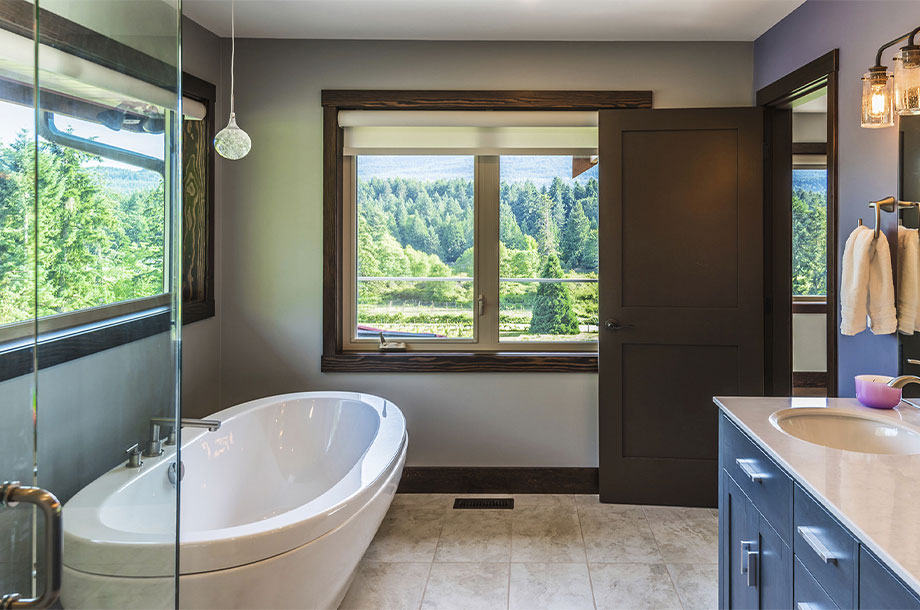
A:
(808, 593)
(824, 547)
(764, 482)
(879, 589)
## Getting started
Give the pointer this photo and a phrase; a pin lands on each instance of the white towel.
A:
(854, 281)
(908, 280)
(883, 319)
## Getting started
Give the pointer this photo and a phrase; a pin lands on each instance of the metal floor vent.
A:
(507, 503)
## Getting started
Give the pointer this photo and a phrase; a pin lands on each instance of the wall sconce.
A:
(884, 92)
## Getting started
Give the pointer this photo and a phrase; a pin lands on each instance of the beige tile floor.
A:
(550, 551)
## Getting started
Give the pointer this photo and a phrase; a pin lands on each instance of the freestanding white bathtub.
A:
(277, 508)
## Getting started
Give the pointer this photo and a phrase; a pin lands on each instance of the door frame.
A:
(776, 99)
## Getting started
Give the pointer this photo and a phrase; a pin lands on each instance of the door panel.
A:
(681, 267)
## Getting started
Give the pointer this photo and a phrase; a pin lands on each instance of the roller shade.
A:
(483, 132)
(78, 78)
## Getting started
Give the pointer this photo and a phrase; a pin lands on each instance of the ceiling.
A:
(739, 20)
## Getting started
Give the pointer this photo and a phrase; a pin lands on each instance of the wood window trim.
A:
(809, 306)
(334, 357)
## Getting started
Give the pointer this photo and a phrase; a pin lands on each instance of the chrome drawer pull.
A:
(816, 545)
(805, 606)
(747, 466)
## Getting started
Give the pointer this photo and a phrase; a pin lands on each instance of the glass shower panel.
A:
(90, 277)
(17, 307)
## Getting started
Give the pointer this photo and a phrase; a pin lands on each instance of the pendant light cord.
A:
(232, 51)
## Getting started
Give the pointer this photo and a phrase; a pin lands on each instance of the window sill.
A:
(69, 344)
(460, 362)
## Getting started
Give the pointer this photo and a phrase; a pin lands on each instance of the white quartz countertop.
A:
(876, 496)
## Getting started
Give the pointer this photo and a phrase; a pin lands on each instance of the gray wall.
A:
(868, 158)
(200, 341)
(271, 228)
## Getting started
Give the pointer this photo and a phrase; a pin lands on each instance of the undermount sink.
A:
(848, 430)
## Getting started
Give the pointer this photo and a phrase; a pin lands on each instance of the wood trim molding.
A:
(809, 379)
(807, 79)
(809, 148)
(809, 307)
(502, 480)
(484, 100)
(72, 343)
(460, 362)
(18, 16)
(818, 74)
(334, 359)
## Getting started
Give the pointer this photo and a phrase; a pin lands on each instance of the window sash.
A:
(486, 281)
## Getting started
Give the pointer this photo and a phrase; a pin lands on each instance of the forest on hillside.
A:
(409, 227)
(809, 233)
(97, 242)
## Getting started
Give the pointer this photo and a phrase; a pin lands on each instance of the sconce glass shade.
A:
(231, 142)
(907, 81)
(877, 99)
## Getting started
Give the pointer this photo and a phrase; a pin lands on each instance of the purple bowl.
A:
(873, 391)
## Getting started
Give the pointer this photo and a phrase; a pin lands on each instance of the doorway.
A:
(800, 230)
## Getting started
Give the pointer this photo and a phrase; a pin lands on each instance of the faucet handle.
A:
(134, 456)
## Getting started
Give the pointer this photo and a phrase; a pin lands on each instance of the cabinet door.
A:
(738, 522)
(775, 567)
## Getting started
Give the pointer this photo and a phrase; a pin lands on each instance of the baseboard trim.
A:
(509, 480)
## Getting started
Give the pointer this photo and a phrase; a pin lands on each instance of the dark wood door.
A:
(681, 294)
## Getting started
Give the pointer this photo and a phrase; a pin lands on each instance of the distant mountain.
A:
(538, 169)
(124, 181)
(814, 180)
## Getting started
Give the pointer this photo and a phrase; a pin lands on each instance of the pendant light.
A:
(231, 142)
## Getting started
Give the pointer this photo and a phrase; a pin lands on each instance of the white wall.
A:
(809, 342)
(271, 228)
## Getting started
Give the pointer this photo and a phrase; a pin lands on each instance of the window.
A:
(101, 216)
(485, 251)
(809, 228)
(474, 312)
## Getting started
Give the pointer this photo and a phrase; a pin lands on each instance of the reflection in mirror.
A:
(809, 246)
(909, 190)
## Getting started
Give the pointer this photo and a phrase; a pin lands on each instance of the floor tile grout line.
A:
(431, 563)
(660, 554)
(585, 549)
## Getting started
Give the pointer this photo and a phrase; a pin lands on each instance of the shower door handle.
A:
(11, 494)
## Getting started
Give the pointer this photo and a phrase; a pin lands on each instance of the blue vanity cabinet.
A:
(879, 588)
(826, 549)
(780, 548)
(755, 560)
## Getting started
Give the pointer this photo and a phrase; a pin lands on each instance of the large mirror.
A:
(909, 190)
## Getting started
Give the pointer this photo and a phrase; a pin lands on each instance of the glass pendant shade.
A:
(877, 99)
(907, 81)
(231, 142)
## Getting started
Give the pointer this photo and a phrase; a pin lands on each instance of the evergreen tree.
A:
(576, 239)
(553, 312)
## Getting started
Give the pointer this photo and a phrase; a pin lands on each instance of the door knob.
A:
(614, 324)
